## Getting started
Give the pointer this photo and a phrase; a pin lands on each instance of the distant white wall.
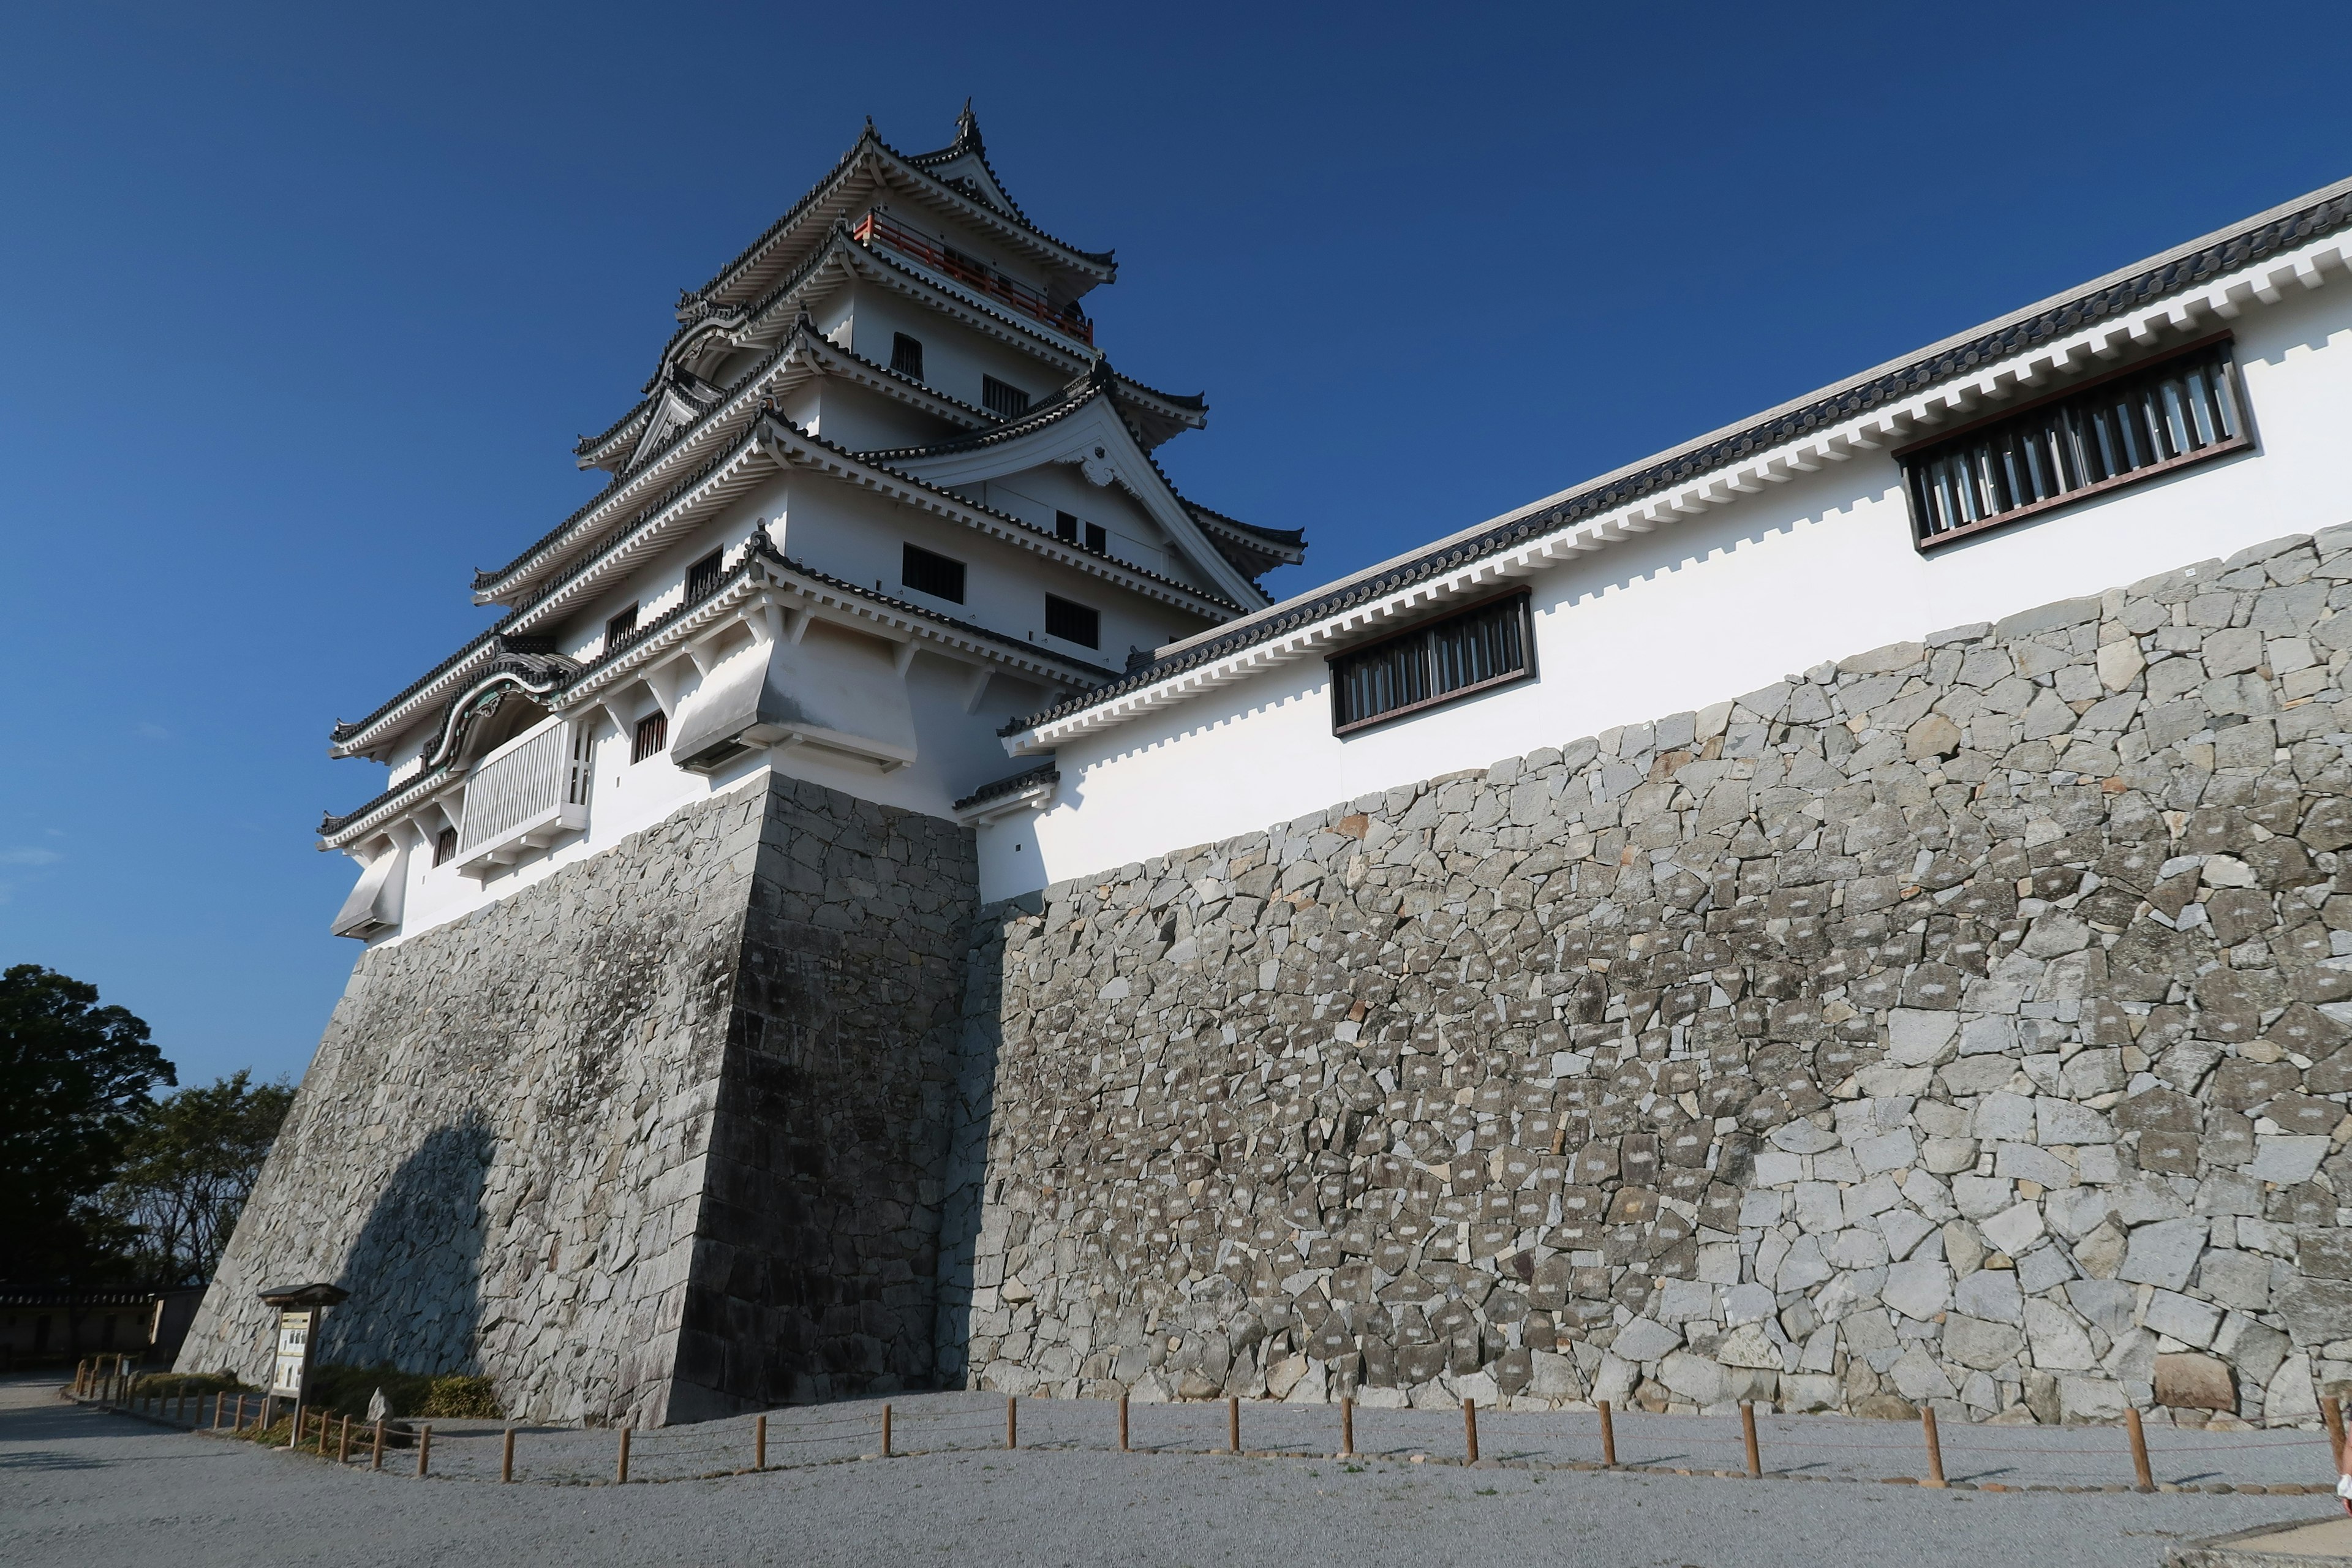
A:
(1723, 605)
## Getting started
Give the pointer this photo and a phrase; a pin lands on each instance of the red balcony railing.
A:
(973, 274)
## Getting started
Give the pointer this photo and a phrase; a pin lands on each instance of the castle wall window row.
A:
(1073, 622)
(925, 571)
(907, 355)
(1003, 397)
(2128, 425)
(1442, 661)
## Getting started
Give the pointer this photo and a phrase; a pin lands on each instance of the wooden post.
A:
(424, 1449)
(238, 1425)
(1934, 1446)
(760, 1443)
(506, 1458)
(1122, 1424)
(621, 1465)
(1347, 1426)
(1012, 1421)
(1232, 1424)
(376, 1461)
(2331, 1410)
(1470, 1431)
(2146, 1482)
(1748, 1439)
(344, 1444)
(1608, 1438)
(886, 1431)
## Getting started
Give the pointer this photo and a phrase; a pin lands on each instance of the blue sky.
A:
(301, 309)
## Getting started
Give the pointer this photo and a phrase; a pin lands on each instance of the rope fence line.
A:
(107, 1383)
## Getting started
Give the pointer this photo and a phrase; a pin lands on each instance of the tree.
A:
(188, 1167)
(74, 1078)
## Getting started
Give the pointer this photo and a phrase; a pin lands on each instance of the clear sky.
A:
(302, 308)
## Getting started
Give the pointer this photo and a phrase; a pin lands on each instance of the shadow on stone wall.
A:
(414, 1270)
(972, 1116)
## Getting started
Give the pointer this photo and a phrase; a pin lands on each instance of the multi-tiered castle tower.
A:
(666, 900)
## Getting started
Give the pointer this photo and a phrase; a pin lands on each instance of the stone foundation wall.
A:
(1963, 1023)
(646, 1141)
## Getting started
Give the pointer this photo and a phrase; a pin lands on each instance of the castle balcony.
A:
(874, 229)
(523, 797)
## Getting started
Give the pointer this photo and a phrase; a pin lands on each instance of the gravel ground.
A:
(88, 1487)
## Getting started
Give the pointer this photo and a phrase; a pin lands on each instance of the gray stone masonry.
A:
(658, 1137)
(1962, 1023)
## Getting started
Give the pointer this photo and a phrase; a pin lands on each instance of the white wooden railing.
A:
(527, 793)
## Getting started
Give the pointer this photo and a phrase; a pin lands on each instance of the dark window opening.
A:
(1486, 647)
(1073, 623)
(444, 844)
(998, 397)
(651, 737)
(620, 629)
(703, 575)
(907, 355)
(1066, 525)
(2123, 428)
(937, 575)
(1098, 538)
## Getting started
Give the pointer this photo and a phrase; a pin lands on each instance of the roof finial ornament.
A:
(967, 129)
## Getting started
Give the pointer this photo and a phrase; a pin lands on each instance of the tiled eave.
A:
(773, 445)
(2183, 293)
(761, 577)
(1031, 789)
(831, 197)
(803, 352)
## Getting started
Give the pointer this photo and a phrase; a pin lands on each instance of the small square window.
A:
(1002, 397)
(651, 737)
(444, 844)
(907, 355)
(937, 575)
(1098, 538)
(620, 629)
(704, 574)
(1073, 622)
(1065, 526)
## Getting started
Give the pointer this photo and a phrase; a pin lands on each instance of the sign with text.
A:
(293, 1352)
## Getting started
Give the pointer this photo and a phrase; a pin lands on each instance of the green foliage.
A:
(447, 1396)
(74, 1078)
(189, 1164)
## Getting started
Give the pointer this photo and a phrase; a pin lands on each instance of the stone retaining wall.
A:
(649, 1140)
(1963, 1023)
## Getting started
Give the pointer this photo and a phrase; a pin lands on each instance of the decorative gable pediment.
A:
(1091, 437)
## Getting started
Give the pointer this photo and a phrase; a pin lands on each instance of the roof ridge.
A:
(871, 137)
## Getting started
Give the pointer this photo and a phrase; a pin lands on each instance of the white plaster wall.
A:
(1671, 621)
(958, 751)
(955, 357)
(860, 537)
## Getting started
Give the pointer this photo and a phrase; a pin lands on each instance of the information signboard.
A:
(293, 1352)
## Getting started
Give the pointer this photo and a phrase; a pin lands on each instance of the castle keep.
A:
(1849, 913)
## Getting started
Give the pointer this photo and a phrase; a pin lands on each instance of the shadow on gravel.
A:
(49, 1460)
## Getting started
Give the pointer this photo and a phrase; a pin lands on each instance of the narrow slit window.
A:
(2118, 430)
(938, 575)
(1480, 649)
(651, 737)
(703, 575)
(444, 844)
(620, 629)
(1001, 398)
(907, 355)
(1073, 622)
